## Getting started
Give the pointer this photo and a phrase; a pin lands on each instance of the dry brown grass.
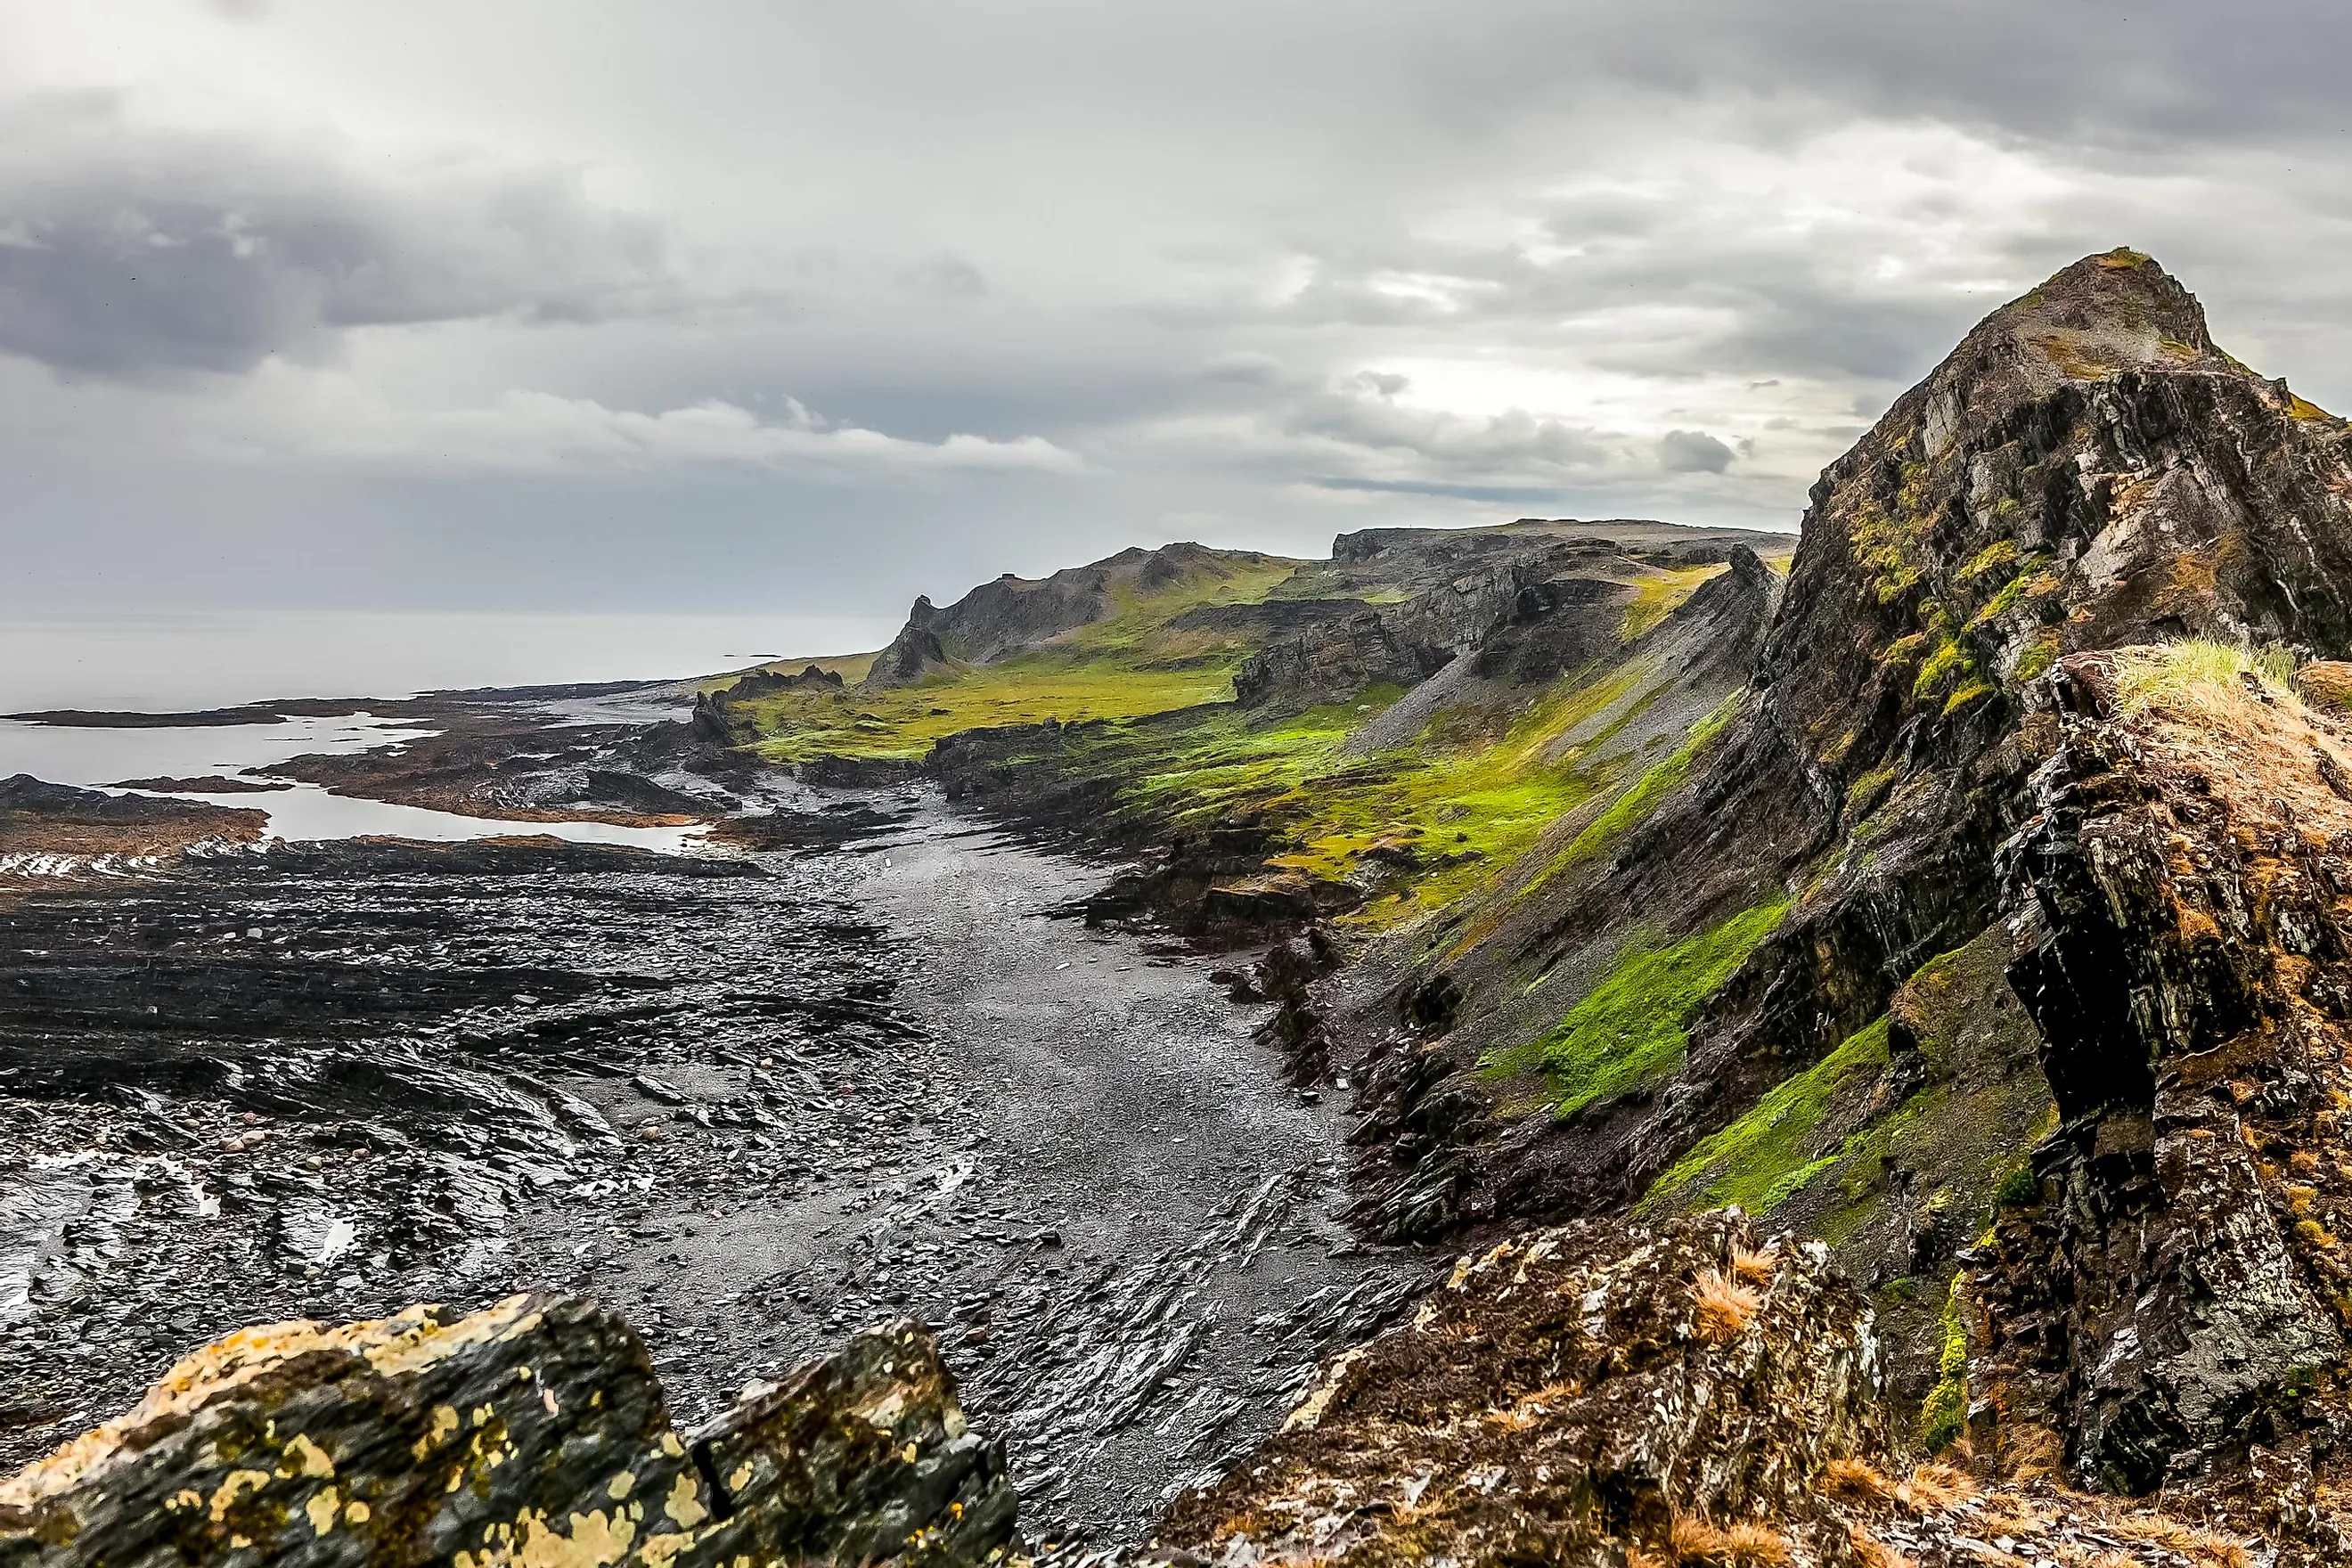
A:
(2210, 1547)
(1931, 1489)
(1726, 1307)
(1755, 1268)
(1854, 1481)
(1735, 1546)
(1873, 1553)
(2005, 1513)
(2031, 1453)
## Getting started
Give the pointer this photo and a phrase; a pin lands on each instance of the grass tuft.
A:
(1725, 1306)
(1744, 1545)
(2188, 673)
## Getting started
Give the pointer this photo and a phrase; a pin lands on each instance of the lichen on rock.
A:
(533, 1433)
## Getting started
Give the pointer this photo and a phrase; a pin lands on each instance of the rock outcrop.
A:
(1012, 613)
(1592, 1395)
(532, 1433)
(2175, 1290)
(2087, 469)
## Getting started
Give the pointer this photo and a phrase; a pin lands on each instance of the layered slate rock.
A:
(2175, 1299)
(1578, 1395)
(533, 1432)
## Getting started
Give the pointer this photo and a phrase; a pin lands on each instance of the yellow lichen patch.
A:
(239, 1482)
(414, 1338)
(304, 1457)
(594, 1541)
(322, 1510)
(620, 1486)
(355, 1512)
(444, 1423)
(684, 1503)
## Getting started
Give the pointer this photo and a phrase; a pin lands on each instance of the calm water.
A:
(163, 663)
(298, 813)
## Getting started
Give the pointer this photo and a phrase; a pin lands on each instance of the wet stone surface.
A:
(755, 1105)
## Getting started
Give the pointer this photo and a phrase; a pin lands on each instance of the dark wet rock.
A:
(1565, 1396)
(211, 783)
(54, 827)
(2182, 945)
(531, 1432)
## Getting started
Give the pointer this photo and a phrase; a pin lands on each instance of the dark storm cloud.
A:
(125, 251)
(1692, 452)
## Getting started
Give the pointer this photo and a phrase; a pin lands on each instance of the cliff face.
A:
(1759, 927)
(2175, 1288)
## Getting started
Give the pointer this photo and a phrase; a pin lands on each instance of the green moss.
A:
(1887, 546)
(1904, 649)
(1866, 792)
(2038, 656)
(1944, 1413)
(1973, 691)
(1992, 558)
(1950, 662)
(1631, 1027)
(1772, 1151)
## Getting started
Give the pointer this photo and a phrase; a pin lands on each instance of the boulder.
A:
(1578, 1395)
(533, 1432)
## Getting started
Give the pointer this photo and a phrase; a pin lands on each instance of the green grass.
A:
(2144, 675)
(1128, 666)
(1631, 1027)
(1636, 804)
(1658, 596)
(1773, 1151)
(1477, 789)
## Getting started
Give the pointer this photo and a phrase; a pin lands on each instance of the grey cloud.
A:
(1692, 452)
(1244, 368)
(1382, 383)
(948, 275)
(1511, 494)
(128, 251)
(1515, 437)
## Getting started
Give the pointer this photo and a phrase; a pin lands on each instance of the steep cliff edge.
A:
(2085, 469)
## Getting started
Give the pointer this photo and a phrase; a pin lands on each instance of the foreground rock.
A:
(1576, 1395)
(534, 1432)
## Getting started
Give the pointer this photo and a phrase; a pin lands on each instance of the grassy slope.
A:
(1471, 794)
(1126, 666)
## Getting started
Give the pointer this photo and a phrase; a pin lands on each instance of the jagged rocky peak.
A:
(1012, 613)
(2085, 469)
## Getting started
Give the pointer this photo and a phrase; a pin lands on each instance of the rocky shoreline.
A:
(853, 1064)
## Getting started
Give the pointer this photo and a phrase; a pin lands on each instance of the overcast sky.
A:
(533, 304)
